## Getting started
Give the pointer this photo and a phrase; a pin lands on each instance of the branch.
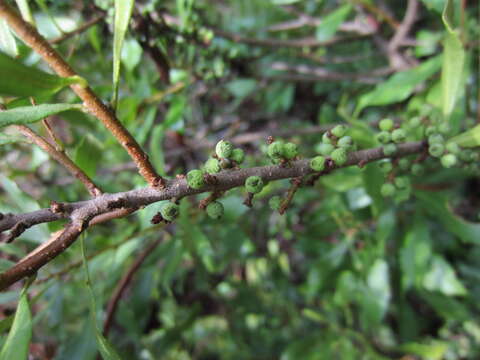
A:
(78, 30)
(80, 213)
(91, 101)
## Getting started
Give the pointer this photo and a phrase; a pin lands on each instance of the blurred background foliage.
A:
(344, 274)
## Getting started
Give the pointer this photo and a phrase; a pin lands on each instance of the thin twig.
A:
(92, 102)
(78, 30)
(296, 182)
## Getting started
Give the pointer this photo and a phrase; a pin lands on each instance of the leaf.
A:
(399, 86)
(25, 11)
(21, 80)
(104, 347)
(123, 12)
(7, 41)
(30, 114)
(241, 88)
(442, 278)
(87, 155)
(469, 138)
(435, 350)
(453, 61)
(378, 281)
(10, 139)
(330, 23)
(18, 340)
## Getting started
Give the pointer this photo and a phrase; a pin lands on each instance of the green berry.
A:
(339, 130)
(224, 149)
(436, 149)
(402, 182)
(212, 166)
(326, 139)
(339, 156)
(170, 211)
(290, 150)
(430, 130)
(386, 124)
(275, 202)
(404, 164)
(436, 138)
(384, 137)
(238, 155)
(195, 179)
(317, 163)
(215, 210)
(417, 169)
(453, 148)
(465, 155)
(398, 135)
(325, 149)
(254, 184)
(276, 150)
(345, 142)
(390, 149)
(387, 190)
(415, 122)
(448, 160)
(385, 166)
(444, 128)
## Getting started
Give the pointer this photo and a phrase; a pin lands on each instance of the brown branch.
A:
(91, 101)
(123, 284)
(296, 182)
(78, 30)
(61, 158)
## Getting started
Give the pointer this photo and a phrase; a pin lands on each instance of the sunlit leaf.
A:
(7, 40)
(330, 23)
(30, 114)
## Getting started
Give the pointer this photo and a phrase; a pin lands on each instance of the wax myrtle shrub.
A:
(256, 179)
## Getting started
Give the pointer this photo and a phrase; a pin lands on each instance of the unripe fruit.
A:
(326, 139)
(402, 182)
(385, 124)
(398, 135)
(317, 163)
(325, 149)
(444, 128)
(448, 160)
(170, 211)
(430, 130)
(224, 149)
(436, 149)
(215, 210)
(275, 202)
(290, 150)
(387, 190)
(404, 164)
(415, 122)
(238, 155)
(254, 184)
(453, 148)
(417, 169)
(436, 138)
(339, 156)
(390, 149)
(212, 166)
(276, 150)
(339, 130)
(195, 179)
(385, 166)
(384, 137)
(345, 142)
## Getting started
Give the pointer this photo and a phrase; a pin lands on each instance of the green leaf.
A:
(104, 347)
(241, 88)
(453, 61)
(87, 155)
(11, 139)
(123, 12)
(330, 23)
(470, 138)
(30, 114)
(18, 340)
(399, 86)
(378, 281)
(21, 80)
(25, 11)
(7, 41)
(442, 278)
(435, 350)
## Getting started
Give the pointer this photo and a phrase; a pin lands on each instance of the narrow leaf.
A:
(21, 80)
(25, 11)
(104, 347)
(123, 12)
(470, 138)
(453, 61)
(18, 340)
(30, 114)
(7, 40)
(330, 23)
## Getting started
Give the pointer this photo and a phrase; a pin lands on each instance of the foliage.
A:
(375, 261)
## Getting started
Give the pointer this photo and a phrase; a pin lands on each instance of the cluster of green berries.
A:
(399, 184)
(389, 136)
(279, 151)
(335, 145)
